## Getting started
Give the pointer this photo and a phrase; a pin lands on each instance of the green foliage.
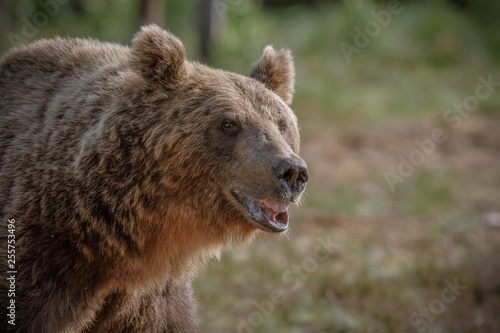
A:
(424, 60)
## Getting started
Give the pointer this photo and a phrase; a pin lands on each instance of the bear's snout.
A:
(126, 231)
(292, 174)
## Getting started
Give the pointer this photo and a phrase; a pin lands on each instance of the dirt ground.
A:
(338, 153)
(469, 158)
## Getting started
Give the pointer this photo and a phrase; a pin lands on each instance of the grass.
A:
(372, 282)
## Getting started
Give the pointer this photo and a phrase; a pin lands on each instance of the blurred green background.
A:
(398, 231)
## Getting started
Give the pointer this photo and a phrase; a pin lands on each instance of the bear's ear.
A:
(158, 54)
(277, 71)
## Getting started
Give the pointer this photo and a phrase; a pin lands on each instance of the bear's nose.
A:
(292, 173)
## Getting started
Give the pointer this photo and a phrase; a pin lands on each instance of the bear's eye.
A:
(229, 126)
(282, 126)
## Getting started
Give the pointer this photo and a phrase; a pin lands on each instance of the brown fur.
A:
(276, 71)
(115, 168)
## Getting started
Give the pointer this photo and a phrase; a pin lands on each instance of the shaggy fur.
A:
(276, 71)
(119, 176)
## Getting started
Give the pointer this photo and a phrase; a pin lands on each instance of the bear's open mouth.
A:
(272, 215)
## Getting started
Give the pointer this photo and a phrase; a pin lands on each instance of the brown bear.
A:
(125, 168)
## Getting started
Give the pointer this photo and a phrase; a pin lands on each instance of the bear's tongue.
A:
(276, 211)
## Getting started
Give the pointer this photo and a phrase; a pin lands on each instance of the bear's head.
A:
(225, 145)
